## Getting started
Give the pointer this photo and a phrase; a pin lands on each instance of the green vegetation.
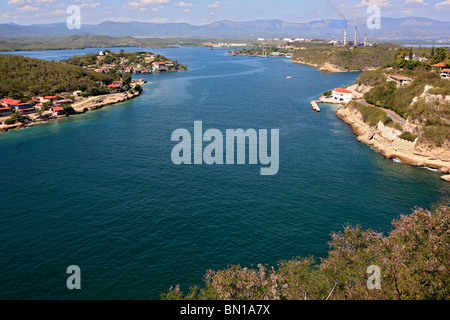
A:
(90, 41)
(414, 260)
(350, 59)
(23, 78)
(327, 93)
(409, 136)
(15, 117)
(372, 115)
(122, 62)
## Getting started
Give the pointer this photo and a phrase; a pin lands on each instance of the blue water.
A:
(100, 191)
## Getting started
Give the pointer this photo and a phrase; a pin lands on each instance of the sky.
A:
(200, 12)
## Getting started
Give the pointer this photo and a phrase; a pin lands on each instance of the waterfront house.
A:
(341, 94)
(9, 102)
(48, 98)
(63, 101)
(57, 111)
(114, 88)
(5, 111)
(38, 106)
(159, 66)
(24, 108)
(400, 80)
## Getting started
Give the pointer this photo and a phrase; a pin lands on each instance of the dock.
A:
(315, 106)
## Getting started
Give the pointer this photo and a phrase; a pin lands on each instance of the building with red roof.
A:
(9, 102)
(57, 111)
(343, 95)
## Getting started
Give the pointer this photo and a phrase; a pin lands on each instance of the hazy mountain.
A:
(412, 28)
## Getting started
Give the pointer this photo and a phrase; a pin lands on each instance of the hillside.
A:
(332, 58)
(88, 41)
(24, 78)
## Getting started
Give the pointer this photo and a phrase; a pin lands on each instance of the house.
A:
(340, 94)
(57, 111)
(114, 88)
(48, 98)
(9, 102)
(400, 80)
(38, 106)
(445, 73)
(159, 66)
(5, 111)
(24, 108)
(63, 101)
(77, 93)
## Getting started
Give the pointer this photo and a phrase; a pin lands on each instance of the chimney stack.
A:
(365, 40)
(345, 36)
(356, 34)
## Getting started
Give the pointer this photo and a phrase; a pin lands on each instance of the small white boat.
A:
(288, 77)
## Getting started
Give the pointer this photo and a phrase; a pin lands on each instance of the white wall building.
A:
(340, 94)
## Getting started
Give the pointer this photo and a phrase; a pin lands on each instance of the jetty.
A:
(315, 106)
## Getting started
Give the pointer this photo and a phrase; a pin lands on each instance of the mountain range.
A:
(410, 28)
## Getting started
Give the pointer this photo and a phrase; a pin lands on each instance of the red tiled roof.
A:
(10, 101)
(5, 108)
(57, 108)
(49, 97)
(446, 70)
(114, 86)
(340, 90)
(159, 62)
(440, 65)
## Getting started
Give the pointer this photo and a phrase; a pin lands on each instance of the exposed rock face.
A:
(328, 67)
(386, 141)
(446, 178)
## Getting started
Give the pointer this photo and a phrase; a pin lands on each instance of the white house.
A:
(340, 94)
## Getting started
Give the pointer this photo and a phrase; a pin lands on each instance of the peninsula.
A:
(402, 110)
(33, 90)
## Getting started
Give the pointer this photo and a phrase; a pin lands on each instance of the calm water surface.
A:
(100, 191)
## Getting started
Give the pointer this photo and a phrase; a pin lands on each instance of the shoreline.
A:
(328, 67)
(385, 141)
(80, 107)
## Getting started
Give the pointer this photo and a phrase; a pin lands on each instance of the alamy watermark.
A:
(374, 20)
(74, 20)
(213, 153)
(374, 280)
(74, 280)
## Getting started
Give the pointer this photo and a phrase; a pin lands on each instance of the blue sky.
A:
(205, 11)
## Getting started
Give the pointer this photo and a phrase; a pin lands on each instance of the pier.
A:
(315, 106)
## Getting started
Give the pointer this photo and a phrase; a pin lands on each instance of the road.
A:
(391, 114)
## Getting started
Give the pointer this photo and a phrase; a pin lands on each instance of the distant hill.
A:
(411, 28)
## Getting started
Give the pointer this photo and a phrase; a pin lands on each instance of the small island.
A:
(33, 90)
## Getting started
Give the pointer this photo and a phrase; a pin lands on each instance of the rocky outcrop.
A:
(386, 141)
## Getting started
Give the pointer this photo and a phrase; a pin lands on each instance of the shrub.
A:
(413, 259)
(327, 93)
(408, 136)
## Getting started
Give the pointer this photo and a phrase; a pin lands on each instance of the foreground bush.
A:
(414, 259)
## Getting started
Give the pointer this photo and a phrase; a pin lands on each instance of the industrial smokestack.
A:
(365, 40)
(356, 35)
(345, 36)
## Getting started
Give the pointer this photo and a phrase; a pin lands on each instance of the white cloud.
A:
(184, 4)
(215, 5)
(90, 5)
(17, 2)
(142, 3)
(445, 3)
(28, 8)
(187, 10)
(158, 20)
(379, 3)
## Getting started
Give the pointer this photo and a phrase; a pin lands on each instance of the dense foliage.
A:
(414, 260)
(23, 78)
